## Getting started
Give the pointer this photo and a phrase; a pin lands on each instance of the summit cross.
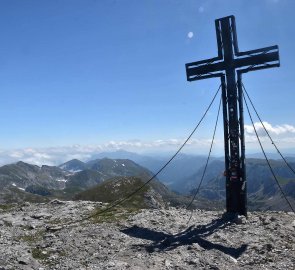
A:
(229, 66)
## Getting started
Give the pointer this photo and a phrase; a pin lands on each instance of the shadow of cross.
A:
(165, 241)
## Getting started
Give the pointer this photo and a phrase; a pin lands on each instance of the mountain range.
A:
(180, 168)
(67, 178)
(76, 179)
(97, 180)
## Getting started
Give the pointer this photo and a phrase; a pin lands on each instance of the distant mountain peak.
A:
(73, 165)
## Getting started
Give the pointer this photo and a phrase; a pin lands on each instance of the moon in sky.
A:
(190, 34)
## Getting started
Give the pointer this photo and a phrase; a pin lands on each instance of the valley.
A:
(78, 180)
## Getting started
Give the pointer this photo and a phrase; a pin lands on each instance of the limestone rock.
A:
(60, 236)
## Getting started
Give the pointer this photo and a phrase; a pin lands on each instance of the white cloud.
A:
(283, 135)
(58, 155)
(190, 34)
(282, 130)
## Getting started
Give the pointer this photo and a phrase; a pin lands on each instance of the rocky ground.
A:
(41, 236)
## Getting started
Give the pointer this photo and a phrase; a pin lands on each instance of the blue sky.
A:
(98, 75)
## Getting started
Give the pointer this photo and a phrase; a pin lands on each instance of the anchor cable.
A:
(273, 143)
(128, 196)
(206, 165)
(282, 192)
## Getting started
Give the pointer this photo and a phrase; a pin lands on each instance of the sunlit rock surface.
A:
(58, 235)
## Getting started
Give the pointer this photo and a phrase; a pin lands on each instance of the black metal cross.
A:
(229, 66)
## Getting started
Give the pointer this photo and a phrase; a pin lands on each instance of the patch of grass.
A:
(15, 195)
(33, 238)
(6, 207)
(62, 253)
(65, 194)
(44, 256)
(39, 254)
(29, 238)
(59, 221)
(113, 215)
(284, 181)
(115, 189)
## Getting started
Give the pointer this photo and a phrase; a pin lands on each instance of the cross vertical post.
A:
(229, 66)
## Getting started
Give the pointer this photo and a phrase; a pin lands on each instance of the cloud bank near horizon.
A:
(283, 135)
(59, 155)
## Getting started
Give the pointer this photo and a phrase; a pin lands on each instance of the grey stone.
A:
(240, 219)
(138, 242)
(41, 215)
(56, 202)
(53, 228)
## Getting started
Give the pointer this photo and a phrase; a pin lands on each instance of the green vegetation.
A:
(15, 195)
(38, 190)
(44, 256)
(29, 238)
(6, 207)
(284, 181)
(33, 238)
(38, 254)
(64, 194)
(116, 189)
(114, 215)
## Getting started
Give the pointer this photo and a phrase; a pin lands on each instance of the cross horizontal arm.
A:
(254, 68)
(250, 60)
(204, 69)
(262, 50)
(258, 59)
(204, 76)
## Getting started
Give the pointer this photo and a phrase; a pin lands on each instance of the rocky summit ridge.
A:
(54, 235)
